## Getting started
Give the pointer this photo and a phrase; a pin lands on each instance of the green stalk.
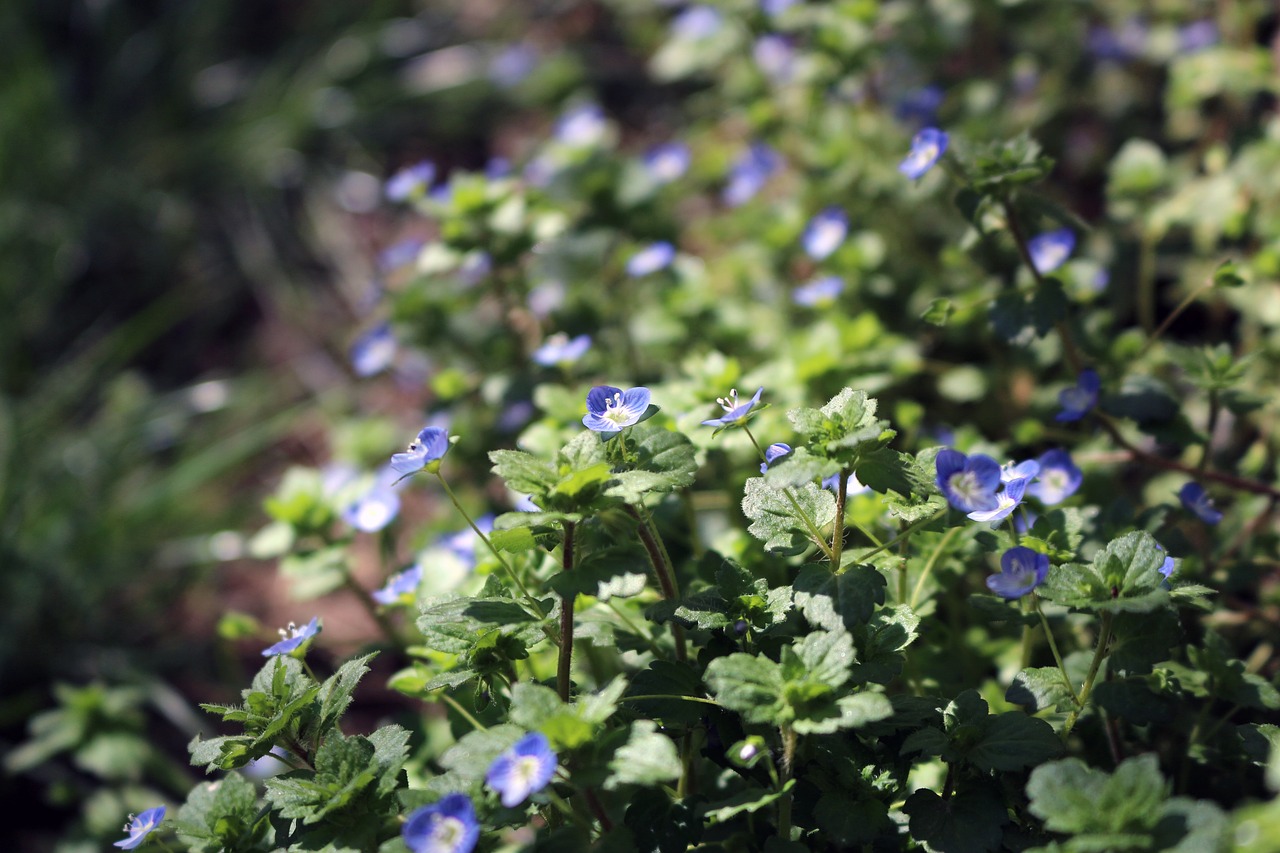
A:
(463, 712)
(837, 529)
(928, 566)
(789, 739)
(905, 532)
(1053, 647)
(564, 664)
(537, 610)
(662, 569)
(1173, 315)
(1100, 653)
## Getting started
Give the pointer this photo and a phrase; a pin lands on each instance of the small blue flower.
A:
(138, 827)
(1197, 501)
(513, 64)
(775, 57)
(373, 351)
(733, 410)
(293, 638)
(524, 503)
(398, 254)
(449, 826)
(776, 7)
(696, 23)
(610, 409)
(851, 485)
(373, 510)
(1197, 36)
(773, 453)
(559, 349)
(927, 148)
(475, 268)
(410, 182)
(1050, 250)
(427, 448)
(650, 259)
(1059, 478)
(526, 768)
(667, 162)
(825, 232)
(582, 127)
(1007, 501)
(819, 292)
(749, 173)
(1077, 401)
(497, 168)
(1167, 567)
(400, 587)
(1020, 471)
(969, 483)
(1021, 570)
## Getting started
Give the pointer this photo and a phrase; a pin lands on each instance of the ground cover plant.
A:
(860, 436)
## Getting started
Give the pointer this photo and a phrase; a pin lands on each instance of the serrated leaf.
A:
(838, 602)
(744, 802)
(1040, 689)
(647, 758)
(1071, 797)
(667, 678)
(969, 822)
(938, 313)
(471, 757)
(523, 472)
(778, 516)
(335, 693)
(850, 823)
(748, 684)
(1013, 741)
(1124, 576)
(220, 815)
(880, 644)
(665, 461)
(1133, 700)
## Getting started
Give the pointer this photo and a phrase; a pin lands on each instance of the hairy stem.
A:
(511, 574)
(662, 569)
(1099, 654)
(566, 621)
(928, 566)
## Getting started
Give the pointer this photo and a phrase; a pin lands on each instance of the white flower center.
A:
(445, 835)
(614, 412)
(965, 484)
(729, 403)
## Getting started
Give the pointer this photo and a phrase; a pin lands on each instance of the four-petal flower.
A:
(427, 448)
(611, 409)
(1021, 570)
(1197, 500)
(293, 638)
(138, 827)
(927, 148)
(524, 769)
(1080, 398)
(1050, 250)
(969, 483)
(734, 411)
(825, 232)
(448, 826)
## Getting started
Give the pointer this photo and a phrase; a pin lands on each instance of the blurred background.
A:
(193, 224)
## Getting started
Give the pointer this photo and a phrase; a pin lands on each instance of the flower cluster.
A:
(980, 487)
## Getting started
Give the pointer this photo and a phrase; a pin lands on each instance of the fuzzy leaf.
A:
(776, 520)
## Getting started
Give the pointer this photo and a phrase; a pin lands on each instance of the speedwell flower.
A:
(667, 162)
(526, 768)
(820, 291)
(773, 453)
(1051, 249)
(410, 181)
(1019, 471)
(293, 638)
(1078, 400)
(927, 148)
(583, 126)
(749, 173)
(1006, 502)
(373, 510)
(1059, 478)
(561, 349)
(427, 448)
(449, 826)
(654, 257)
(775, 57)
(400, 587)
(825, 232)
(1195, 499)
(968, 482)
(610, 409)
(1021, 570)
(734, 411)
(373, 351)
(138, 827)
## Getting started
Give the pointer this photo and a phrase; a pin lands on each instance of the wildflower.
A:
(820, 291)
(1021, 471)
(1077, 401)
(1197, 36)
(1167, 567)
(1051, 249)
(610, 409)
(1195, 499)
(775, 57)
(1006, 502)
(524, 503)
(475, 268)
(497, 168)
(825, 232)
(513, 64)
(773, 453)
(424, 451)
(559, 350)
(400, 587)
(733, 410)
(373, 351)
(968, 483)
(652, 258)
(667, 162)
(293, 638)
(524, 769)
(410, 181)
(927, 148)
(749, 173)
(1021, 570)
(449, 826)
(373, 510)
(581, 127)
(138, 827)
(696, 23)
(776, 7)
(1059, 478)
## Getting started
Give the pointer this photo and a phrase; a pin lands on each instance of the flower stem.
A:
(662, 568)
(1064, 332)
(928, 566)
(1173, 315)
(463, 712)
(564, 664)
(1100, 653)
(515, 579)
(1215, 408)
(902, 534)
(789, 739)
(837, 529)
(1053, 647)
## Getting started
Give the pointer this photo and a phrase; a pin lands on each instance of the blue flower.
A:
(919, 105)
(426, 449)
(411, 181)
(1197, 36)
(969, 483)
(293, 638)
(775, 57)
(1167, 567)
(610, 409)
(524, 503)
(559, 349)
(449, 826)
(400, 587)
(1050, 250)
(1077, 401)
(1020, 471)
(373, 351)
(1195, 499)
(1006, 502)
(749, 173)
(651, 258)
(1021, 570)
(524, 769)
(138, 827)
(773, 453)
(497, 168)
(1059, 478)
(581, 127)
(927, 148)
(667, 162)
(475, 268)
(513, 64)
(733, 410)
(374, 510)
(398, 254)
(776, 7)
(825, 232)
(820, 291)
(696, 23)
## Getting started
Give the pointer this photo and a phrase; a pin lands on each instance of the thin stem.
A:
(1099, 654)
(1028, 634)
(814, 533)
(1053, 647)
(565, 662)
(837, 529)
(636, 629)
(662, 570)
(1174, 314)
(928, 566)
(515, 579)
(789, 739)
(655, 696)
(1147, 283)
(463, 712)
(905, 532)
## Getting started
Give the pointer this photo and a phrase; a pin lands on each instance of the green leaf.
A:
(778, 515)
(969, 822)
(850, 823)
(838, 602)
(744, 802)
(514, 540)
(748, 684)
(1133, 700)
(456, 625)
(1003, 165)
(1124, 576)
(667, 678)
(880, 644)
(1040, 689)
(1013, 741)
(335, 693)
(619, 571)
(471, 757)
(665, 461)
(938, 313)
(885, 470)
(221, 815)
(523, 472)
(647, 758)
(1071, 797)
(1227, 274)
